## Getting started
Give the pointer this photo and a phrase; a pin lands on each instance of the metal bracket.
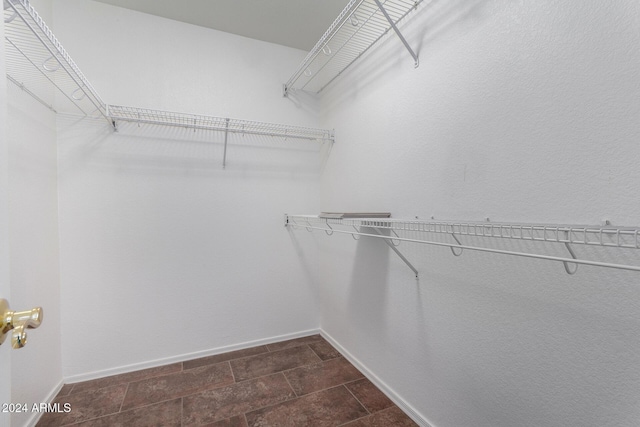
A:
(353, 235)
(330, 229)
(566, 264)
(402, 257)
(226, 136)
(453, 250)
(573, 255)
(402, 39)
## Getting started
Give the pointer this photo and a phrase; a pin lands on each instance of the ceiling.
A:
(293, 23)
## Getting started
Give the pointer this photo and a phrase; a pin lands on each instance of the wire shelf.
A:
(358, 27)
(194, 121)
(37, 62)
(606, 236)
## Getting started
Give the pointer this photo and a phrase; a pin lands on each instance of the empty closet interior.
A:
(171, 191)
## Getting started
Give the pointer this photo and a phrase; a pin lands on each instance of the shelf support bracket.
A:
(399, 34)
(572, 253)
(402, 257)
(226, 136)
(566, 264)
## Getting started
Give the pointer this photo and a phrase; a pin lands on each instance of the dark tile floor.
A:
(300, 382)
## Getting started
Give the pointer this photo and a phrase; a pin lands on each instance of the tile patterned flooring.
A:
(299, 382)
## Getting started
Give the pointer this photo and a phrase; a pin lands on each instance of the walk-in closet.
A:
(320, 213)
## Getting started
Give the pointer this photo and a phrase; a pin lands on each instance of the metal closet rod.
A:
(291, 221)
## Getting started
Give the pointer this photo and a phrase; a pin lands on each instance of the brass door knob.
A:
(18, 322)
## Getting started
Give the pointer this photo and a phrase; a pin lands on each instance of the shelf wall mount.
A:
(603, 236)
(360, 25)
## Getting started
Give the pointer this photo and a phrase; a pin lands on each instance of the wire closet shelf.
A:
(360, 25)
(39, 65)
(605, 236)
(36, 62)
(194, 121)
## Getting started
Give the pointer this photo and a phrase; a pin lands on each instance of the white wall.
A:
(33, 241)
(520, 112)
(163, 252)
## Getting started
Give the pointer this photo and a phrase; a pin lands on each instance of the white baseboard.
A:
(391, 394)
(183, 357)
(35, 416)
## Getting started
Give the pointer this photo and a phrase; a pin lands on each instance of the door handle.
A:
(17, 322)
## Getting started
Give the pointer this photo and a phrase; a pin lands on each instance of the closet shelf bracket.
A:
(393, 247)
(226, 138)
(416, 60)
(360, 25)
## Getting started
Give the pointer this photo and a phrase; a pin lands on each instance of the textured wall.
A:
(520, 112)
(163, 252)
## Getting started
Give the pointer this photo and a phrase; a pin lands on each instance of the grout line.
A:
(360, 379)
(123, 398)
(290, 386)
(159, 374)
(357, 400)
(268, 406)
(314, 353)
(353, 421)
(181, 411)
(297, 345)
(374, 413)
(260, 407)
(228, 360)
(223, 361)
(150, 404)
(232, 374)
(246, 421)
(119, 412)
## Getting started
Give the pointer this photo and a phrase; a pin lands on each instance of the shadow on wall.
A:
(368, 288)
(167, 150)
(309, 266)
(431, 21)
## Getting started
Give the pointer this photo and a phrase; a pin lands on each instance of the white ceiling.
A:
(294, 23)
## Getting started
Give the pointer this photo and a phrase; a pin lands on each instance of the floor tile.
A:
(325, 408)
(86, 405)
(369, 395)
(65, 390)
(237, 421)
(217, 358)
(126, 378)
(319, 376)
(226, 402)
(299, 382)
(269, 363)
(324, 350)
(165, 414)
(392, 416)
(294, 342)
(176, 385)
